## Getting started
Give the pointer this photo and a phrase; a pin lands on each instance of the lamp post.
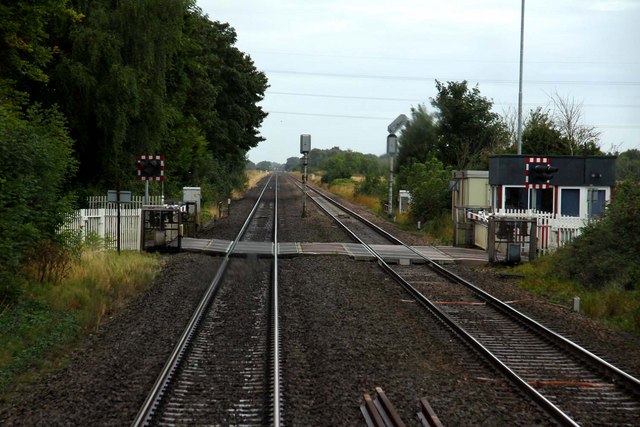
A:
(392, 148)
(519, 136)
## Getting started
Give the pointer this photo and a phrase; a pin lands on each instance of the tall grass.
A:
(218, 208)
(51, 317)
(254, 176)
(346, 188)
(100, 284)
(611, 305)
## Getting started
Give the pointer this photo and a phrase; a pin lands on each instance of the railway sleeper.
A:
(379, 411)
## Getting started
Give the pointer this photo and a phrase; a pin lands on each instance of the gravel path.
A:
(347, 329)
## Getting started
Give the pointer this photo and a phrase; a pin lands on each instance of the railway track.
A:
(571, 384)
(225, 368)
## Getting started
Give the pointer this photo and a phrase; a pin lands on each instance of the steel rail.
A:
(556, 413)
(632, 383)
(276, 325)
(354, 214)
(150, 405)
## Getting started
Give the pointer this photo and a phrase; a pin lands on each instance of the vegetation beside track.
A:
(51, 317)
(65, 294)
(437, 231)
(602, 266)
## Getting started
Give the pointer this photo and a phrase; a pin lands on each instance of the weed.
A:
(50, 317)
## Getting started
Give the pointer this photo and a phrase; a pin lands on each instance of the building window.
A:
(542, 200)
(570, 204)
(515, 198)
(597, 202)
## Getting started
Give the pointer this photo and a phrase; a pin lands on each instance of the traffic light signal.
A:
(150, 168)
(539, 172)
(544, 172)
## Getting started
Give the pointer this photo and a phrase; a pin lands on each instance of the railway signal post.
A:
(392, 150)
(305, 147)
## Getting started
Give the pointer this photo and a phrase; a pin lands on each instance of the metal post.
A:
(390, 210)
(519, 136)
(304, 185)
(491, 242)
(146, 192)
(533, 239)
(118, 219)
(392, 149)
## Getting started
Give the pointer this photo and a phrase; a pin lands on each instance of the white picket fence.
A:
(100, 220)
(98, 202)
(553, 230)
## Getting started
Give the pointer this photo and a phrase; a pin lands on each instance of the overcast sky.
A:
(343, 70)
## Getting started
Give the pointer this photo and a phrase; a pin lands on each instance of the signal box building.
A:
(562, 185)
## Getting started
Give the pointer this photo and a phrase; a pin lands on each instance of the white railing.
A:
(101, 202)
(553, 230)
(103, 224)
(100, 220)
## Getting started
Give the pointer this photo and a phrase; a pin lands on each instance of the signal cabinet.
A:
(572, 170)
(570, 186)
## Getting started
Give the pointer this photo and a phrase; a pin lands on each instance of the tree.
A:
(292, 164)
(419, 138)
(628, 165)
(336, 167)
(581, 140)
(36, 159)
(467, 128)
(428, 184)
(111, 83)
(541, 136)
(265, 165)
(26, 48)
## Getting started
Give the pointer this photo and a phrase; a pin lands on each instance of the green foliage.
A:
(628, 166)
(419, 139)
(292, 164)
(609, 302)
(266, 166)
(126, 78)
(155, 77)
(345, 164)
(372, 185)
(541, 136)
(428, 184)
(51, 318)
(468, 131)
(439, 230)
(606, 252)
(26, 47)
(29, 331)
(36, 158)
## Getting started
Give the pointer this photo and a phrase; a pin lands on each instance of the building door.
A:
(542, 200)
(570, 202)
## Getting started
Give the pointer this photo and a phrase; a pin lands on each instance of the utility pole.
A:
(519, 136)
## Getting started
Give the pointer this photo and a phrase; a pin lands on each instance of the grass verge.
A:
(610, 305)
(49, 319)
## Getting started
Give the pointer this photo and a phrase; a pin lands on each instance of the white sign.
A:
(397, 123)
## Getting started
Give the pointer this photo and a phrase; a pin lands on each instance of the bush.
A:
(428, 184)
(606, 252)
